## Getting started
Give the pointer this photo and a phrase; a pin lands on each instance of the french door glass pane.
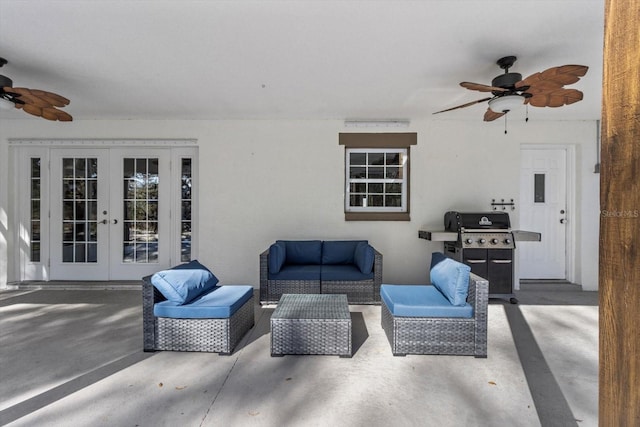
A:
(79, 218)
(185, 218)
(35, 210)
(140, 210)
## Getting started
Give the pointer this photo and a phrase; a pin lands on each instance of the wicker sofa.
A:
(419, 319)
(350, 267)
(201, 317)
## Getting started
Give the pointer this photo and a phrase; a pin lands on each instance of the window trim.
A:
(379, 141)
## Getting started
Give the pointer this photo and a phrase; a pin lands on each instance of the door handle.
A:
(115, 221)
(104, 221)
(562, 221)
(476, 261)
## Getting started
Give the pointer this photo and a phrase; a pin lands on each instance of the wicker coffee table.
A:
(311, 324)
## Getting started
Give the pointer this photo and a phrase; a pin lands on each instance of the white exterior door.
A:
(543, 202)
(110, 213)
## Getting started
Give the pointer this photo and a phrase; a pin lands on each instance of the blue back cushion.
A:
(183, 283)
(303, 252)
(339, 251)
(450, 277)
(277, 256)
(364, 257)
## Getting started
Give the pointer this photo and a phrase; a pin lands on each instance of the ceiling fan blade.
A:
(53, 98)
(558, 76)
(491, 115)
(49, 114)
(34, 110)
(40, 103)
(481, 88)
(39, 97)
(556, 98)
(468, 104)
(34, 100)
(52, 113)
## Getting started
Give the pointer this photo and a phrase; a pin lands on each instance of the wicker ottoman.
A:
(311, 324)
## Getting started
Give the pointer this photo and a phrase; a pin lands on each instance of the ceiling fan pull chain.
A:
(526, 117)
(505, 124)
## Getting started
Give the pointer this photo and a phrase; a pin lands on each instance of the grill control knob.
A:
(482, 241)
(507, 241)
(494, 241)
(469, 241)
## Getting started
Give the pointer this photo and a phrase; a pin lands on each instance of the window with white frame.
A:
(376, 180)
(377, 176)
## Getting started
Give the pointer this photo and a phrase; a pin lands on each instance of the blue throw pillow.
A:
(450, 277)
(185, 282)
(364, 257)
(277, 256)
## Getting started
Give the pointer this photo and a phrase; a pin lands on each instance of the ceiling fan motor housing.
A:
(5, 82)
(506, 81)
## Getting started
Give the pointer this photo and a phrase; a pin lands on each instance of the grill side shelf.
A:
(526, 236)
(438, 236)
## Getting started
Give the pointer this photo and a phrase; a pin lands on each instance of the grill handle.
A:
(501, 261)
(476, 261)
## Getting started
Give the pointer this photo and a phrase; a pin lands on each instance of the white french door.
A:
(543, 202)
(109, 213)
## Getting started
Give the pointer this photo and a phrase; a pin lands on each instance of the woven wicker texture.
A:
(358, 292)
(311, 324)
(455, 336)
(207, 335)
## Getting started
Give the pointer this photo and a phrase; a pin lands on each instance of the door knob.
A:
(562, 221)
(115, 221)
(104, 221)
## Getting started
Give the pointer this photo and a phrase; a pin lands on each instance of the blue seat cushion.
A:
(450, 277)
(349, 273)
(303, 252)
(183, 283)
(420, 301)
(220, 303)
(339, 251)
(297, 272)
(277, 256)
(364, 257)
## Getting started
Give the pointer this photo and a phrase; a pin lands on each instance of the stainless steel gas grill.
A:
(485, 242)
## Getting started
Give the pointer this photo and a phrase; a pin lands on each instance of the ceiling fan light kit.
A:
(506, 103)
(509, 90)
(36, 102)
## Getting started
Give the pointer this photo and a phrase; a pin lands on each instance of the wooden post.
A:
(619, 286)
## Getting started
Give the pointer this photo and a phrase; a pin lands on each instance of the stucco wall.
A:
(266, 180)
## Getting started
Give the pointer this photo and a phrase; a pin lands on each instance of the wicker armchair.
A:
(207, 335)
(441, 335)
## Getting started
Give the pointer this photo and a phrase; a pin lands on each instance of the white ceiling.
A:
(179, 59)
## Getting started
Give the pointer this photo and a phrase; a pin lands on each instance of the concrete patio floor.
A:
(74, 358)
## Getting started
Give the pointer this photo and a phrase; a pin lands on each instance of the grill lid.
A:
(456, 221)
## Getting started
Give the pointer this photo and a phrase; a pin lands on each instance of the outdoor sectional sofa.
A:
(183, 309)
(449, 316)
(350, 267)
